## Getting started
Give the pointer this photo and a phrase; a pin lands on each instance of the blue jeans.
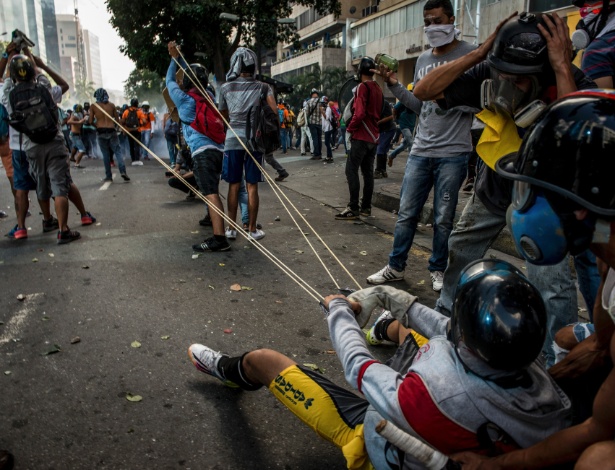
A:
(316, 131)
(172, 148)
(243, 202)
(283, 139)
(588, 279)
(445, 175)
(109, 142)
(146, 137)
(406, 144)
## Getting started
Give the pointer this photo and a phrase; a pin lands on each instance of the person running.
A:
(132, 119)
(195, 110)
(103, 114)
(240, 92)
(473, 378)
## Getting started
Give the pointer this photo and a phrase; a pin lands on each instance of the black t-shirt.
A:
(386, 112)
(494, 191)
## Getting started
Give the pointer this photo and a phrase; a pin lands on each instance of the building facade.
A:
(92, 58)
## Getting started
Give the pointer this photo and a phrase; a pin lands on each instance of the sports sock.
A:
(380, 329)
(231, 369)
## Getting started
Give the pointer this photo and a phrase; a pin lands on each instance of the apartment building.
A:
(323, 39)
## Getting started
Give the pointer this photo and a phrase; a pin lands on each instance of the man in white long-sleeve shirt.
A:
(478, 372)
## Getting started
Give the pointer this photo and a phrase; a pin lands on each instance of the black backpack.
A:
(262, 126)
(132, 120)
(34, 113)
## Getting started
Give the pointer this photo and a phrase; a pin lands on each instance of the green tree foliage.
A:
(83, 91)
(195, 24)
(145, 85)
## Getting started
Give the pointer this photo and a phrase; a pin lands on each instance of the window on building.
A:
(546, 5)
(71, 38)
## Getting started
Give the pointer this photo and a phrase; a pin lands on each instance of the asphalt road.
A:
(132, 278)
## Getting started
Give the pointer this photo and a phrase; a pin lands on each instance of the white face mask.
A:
(608, 294)
(440, 35)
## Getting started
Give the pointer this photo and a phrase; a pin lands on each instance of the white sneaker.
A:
(370, 336)
(206, 360)
(230, 233)
(140, 163)
(437, 280)
(257, 234)
(135, 163)
(386, 274)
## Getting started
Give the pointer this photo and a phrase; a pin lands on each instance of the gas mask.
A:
(587, 29)
(508, 93)
(545, 234)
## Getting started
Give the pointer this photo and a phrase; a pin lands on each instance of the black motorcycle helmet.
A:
(570, 152)
(198, 77)
(498, 319)
(134, 102)
(519, 48)
(21, 69)
(366, 64)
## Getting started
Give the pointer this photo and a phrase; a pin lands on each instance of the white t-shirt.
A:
(7, 86)
(326, 121)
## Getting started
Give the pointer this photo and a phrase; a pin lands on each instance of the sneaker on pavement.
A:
(386, 274)
(370, 335)
(365, 212)
(328, 160)
(437, 280)
(125, 176)
(257, 234)
(17, 233)
(212, 244)
(3, 215)
(347, 214)
(380, 174)
(50, 225)
(136, 163)
(206, 360)
(87, 219)
(230, 233)
(319, 157)
(282, 177)
(68, 236)
(469, 186)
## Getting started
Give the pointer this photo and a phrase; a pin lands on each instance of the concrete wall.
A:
(491, 15)
(325, 57)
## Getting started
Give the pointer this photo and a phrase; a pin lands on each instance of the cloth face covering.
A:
(241, 57)
(440, 35)
(101, 96)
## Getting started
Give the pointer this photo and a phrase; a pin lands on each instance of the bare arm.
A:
(559, 47)
(432, 85)
(604, 82)
(56, 77)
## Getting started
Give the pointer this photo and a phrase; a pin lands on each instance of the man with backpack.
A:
(243, 99)
(327, 121)
(31, 102)
(132, 119)
(387, 129)
(204, 133)
(363, 127)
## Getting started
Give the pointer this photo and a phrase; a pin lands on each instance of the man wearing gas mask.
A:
(596, 34)
(523, 65)
(564, 201)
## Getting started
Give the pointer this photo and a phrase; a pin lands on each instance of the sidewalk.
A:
(326, 183)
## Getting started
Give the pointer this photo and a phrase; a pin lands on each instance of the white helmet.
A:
(144, 104)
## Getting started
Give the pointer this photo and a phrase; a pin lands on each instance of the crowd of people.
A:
(500, 373)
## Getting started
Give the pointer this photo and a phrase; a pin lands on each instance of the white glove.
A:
(395, 300)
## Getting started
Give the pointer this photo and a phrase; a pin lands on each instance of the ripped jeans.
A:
(445, 175)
